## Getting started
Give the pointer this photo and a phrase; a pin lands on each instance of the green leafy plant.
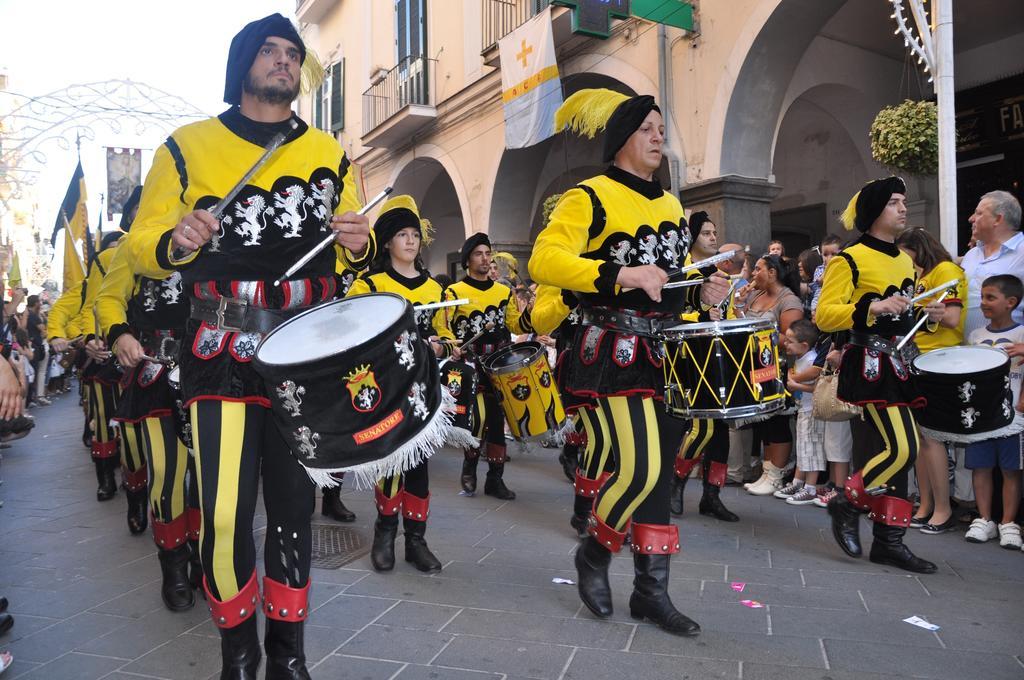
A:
(549, 205)
(905, 137)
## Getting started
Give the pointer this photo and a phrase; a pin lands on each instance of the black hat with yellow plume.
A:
(868, 203)
(397, 214)
(590, 111)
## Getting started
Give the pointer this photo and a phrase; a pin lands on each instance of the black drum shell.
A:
(945, 409)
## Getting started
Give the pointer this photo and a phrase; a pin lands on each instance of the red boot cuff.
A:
(605, 535)
(894, 512)
(284, 603)
(233, 612)
(168, 535)
(102, 450)
(195, 523)
(414, 507)
(575, 438)
(685, 465)
(716, 474)
(655, 539)
(588, 487)
(134, 481)
(495, 453)
(855, 492)
(385, 505)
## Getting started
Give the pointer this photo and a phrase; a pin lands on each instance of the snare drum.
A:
(968, 392)
(353, 388)
(525, 389)
(723, 369)
(459, 378)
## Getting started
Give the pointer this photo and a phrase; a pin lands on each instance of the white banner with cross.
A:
(531, 91)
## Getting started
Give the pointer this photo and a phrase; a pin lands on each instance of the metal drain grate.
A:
(333, 546)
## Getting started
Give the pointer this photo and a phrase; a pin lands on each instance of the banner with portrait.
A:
(124, 173)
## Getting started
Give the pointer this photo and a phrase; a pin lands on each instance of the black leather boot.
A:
(569, 459)
(416, 550)
(107, 488)
(382, 554)
(650, 598)
(675, 505)
(240, 651)
(888, 548)
(175, 590)
(195, 566)
(494, 485)
(138, 517)
(470, 459)
(286, 657)
(581, 507)
(845, 525)
(592, 561)
(332, 506)
(712, 506)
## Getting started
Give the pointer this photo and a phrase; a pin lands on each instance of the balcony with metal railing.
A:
(399, 103)
(312, 11)
(501, 17)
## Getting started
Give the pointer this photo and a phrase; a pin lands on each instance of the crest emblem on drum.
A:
(520, 389)
(290, 395)
(545, 379)
(968, 416)
(307, 441)
(403, 347)
(363, 387)
(1007, 412)
(966, 391)
(454, 383)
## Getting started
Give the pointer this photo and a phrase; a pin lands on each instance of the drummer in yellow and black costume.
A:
(866, 291)
(304, 191)
(399, 233)
(491, 312)
(707, 441)
(613, 238)
(141, 317)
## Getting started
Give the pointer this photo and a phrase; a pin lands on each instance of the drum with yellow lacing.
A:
(525, 389)
(722, 369)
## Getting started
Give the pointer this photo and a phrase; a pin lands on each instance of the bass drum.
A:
(525, 389)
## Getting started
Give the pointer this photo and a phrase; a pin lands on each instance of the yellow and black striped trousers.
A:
(101, 403)
(644, 440)
(706, 436)
(596, 457)
(234, 443)
(414, 481)
(898, 429)
(167, 459)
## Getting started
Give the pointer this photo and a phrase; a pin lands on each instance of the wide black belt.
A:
(625, 322)
(235, 315)
(871, 341)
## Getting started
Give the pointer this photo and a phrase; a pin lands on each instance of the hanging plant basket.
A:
(549, 205)
(905, 137)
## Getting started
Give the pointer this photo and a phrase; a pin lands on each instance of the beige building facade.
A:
(768, 104)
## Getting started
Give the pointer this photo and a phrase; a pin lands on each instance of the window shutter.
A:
(402, 29)
(415, 28)
(337, 96)
(318, 107)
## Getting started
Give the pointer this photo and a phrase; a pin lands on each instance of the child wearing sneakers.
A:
(1000, 295)
(801, 336)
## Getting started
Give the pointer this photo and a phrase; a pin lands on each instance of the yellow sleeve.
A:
(549, 310)
(160, 208)
(86, 318)
(556, 257)
(359, 287)
(835, 305)
(60, 322)
(443, 317)
(112, 299)
(947, 271)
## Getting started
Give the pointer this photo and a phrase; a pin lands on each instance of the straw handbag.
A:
(826, 405)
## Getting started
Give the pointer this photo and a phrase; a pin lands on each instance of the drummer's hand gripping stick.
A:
(316, 250)
(917, 326)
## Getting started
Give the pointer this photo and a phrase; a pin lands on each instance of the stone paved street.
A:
(85, 597)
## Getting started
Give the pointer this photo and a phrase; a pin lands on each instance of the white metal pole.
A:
(944, 90)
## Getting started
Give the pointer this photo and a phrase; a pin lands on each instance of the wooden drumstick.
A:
(917, 326)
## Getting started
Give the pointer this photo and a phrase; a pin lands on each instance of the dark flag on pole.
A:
(72, 210)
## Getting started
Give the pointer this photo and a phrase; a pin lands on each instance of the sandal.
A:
(5, 661)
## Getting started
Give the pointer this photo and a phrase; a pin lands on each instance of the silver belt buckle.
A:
(222, 307)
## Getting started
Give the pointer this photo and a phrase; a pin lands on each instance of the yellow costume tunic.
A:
(869, 270)
(419, 290)
(489, 302)
(275, 219)
(944, 336)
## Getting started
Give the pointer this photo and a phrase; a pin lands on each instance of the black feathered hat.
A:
(589, 111)
(868, 203)
(472, 243)
(130, 205)
(247, 43)
(696, 223)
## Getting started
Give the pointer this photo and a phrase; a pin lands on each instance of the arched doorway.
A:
(427, 181)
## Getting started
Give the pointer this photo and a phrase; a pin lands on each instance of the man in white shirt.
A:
(1000, 250)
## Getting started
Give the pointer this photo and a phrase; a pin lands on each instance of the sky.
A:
(179, 47)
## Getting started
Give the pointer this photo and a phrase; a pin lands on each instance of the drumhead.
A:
(723, 327)
(330, 328)
(512, 357)
(960, 360)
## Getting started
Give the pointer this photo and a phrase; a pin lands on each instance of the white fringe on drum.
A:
(412, 453)
(460, 437)
(558, 436)
(1016, 426)
(760, 418)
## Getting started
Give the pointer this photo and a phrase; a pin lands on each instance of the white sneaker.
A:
(1009, 536)
(982, 530)
(787, 491)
